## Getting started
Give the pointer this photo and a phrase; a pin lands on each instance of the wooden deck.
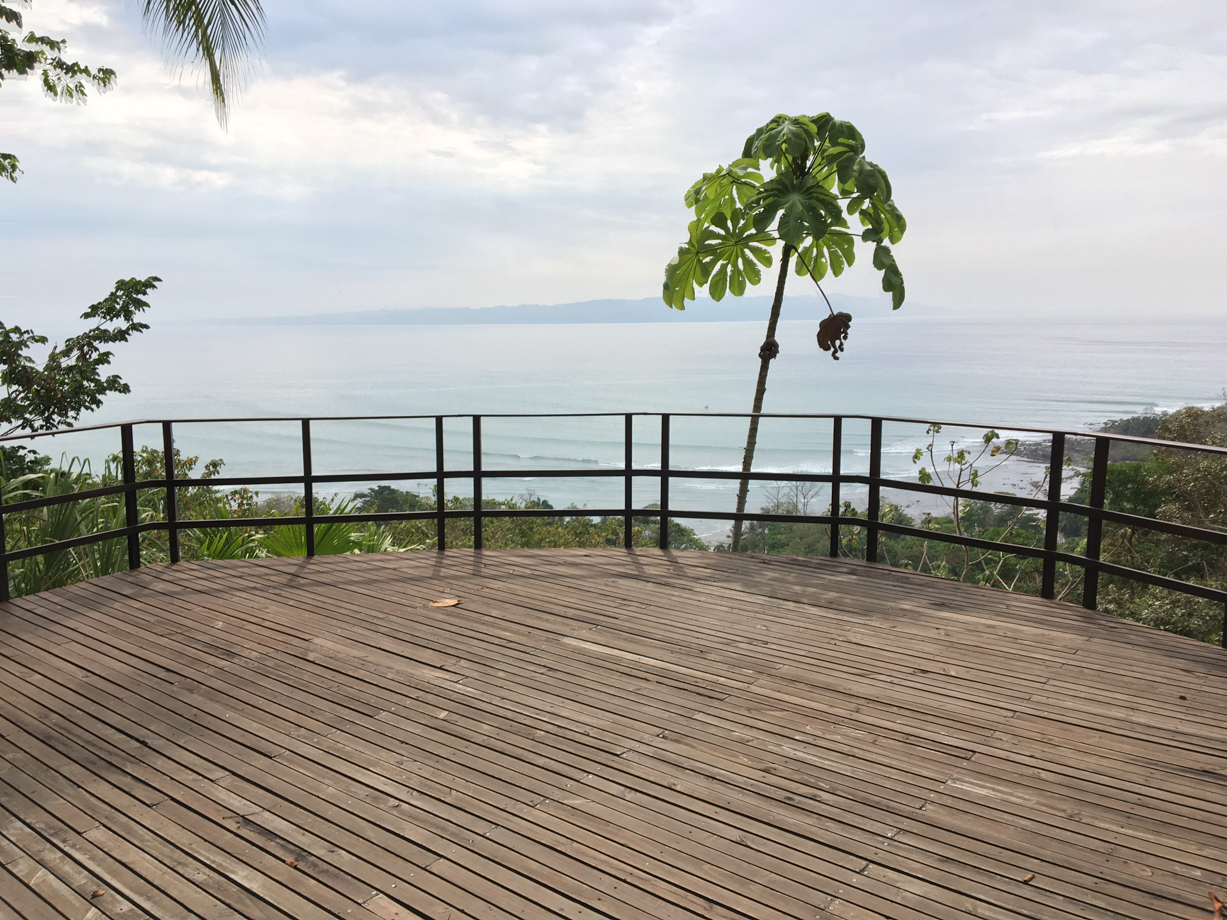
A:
(599, 734)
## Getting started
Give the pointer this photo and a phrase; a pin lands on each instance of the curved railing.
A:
(1052, 504)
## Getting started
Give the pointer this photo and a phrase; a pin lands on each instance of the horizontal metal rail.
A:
(1047, 547)
(1038, 504)
(903, 420)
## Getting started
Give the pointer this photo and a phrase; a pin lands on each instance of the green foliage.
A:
(240, 541)
(1174, 485)
(532, 532)
(986, 520)
(39, 55)
(802, 539)
(1131, 487)
(646, 532)
(16, 462)
(958, 467)
(70, 380)
(61, 522)
(818, 178)
(224, 542)
(331, 538)
(384, 499)
(1184, 487)
(1001, 522)
(1135, 426)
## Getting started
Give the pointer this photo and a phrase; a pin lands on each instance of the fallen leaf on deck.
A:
(96, 893)
(1217, 905)
(292, 863)
(445, 602)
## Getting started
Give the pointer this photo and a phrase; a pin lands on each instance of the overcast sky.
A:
(1053, 157)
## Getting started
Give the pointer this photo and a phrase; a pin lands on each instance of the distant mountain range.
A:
(647, 310)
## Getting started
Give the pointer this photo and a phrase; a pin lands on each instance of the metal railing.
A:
(1050, 553)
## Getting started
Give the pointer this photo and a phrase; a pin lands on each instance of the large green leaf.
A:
(896, 223)
(719, 283)
(738, 249)
(812, 261)
(690, 267)
(785, 135)
(721, 191)
(841, 251)
(804, 205)
(842, 136)
(892, 278)
(727, 252)
(871, 181)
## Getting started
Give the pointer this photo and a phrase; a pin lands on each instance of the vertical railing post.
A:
(628, 536)
(440, 488)
(132, 517)
(477, 522)
(308, 484)
(1094, 523)
(837, 450)
(875, 490)
(1052, 523)
(664, 482)
(4, 560)
(172, 505)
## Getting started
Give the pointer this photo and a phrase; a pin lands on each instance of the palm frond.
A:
(219, 35)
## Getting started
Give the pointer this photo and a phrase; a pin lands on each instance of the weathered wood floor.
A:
(599, 734)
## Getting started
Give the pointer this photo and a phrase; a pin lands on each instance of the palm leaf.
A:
(216, 34)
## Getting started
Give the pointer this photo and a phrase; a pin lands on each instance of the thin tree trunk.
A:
(766, 354)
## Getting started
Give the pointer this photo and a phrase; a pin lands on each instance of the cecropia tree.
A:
(816, 179)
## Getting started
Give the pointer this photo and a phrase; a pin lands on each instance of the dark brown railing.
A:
(1050, 553)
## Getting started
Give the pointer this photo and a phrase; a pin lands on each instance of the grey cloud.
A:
(525, 61)
(608, 111)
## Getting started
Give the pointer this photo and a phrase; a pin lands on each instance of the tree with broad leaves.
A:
(819, 178)
(70, 380)
(216, 35)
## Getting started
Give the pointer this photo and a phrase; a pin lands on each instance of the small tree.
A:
(70, 381)
(819, 178)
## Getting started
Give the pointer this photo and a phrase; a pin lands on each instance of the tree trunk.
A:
(766, 354)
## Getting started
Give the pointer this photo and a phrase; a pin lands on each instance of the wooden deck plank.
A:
(600, 734)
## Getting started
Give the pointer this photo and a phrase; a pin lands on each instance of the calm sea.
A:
(989, 373)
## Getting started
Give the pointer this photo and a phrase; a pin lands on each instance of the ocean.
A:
(1000, 373)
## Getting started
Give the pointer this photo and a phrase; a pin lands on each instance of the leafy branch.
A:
(63, 80)
(960, 469)
(70, 381)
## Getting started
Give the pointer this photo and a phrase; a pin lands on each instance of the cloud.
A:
(390, 154)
